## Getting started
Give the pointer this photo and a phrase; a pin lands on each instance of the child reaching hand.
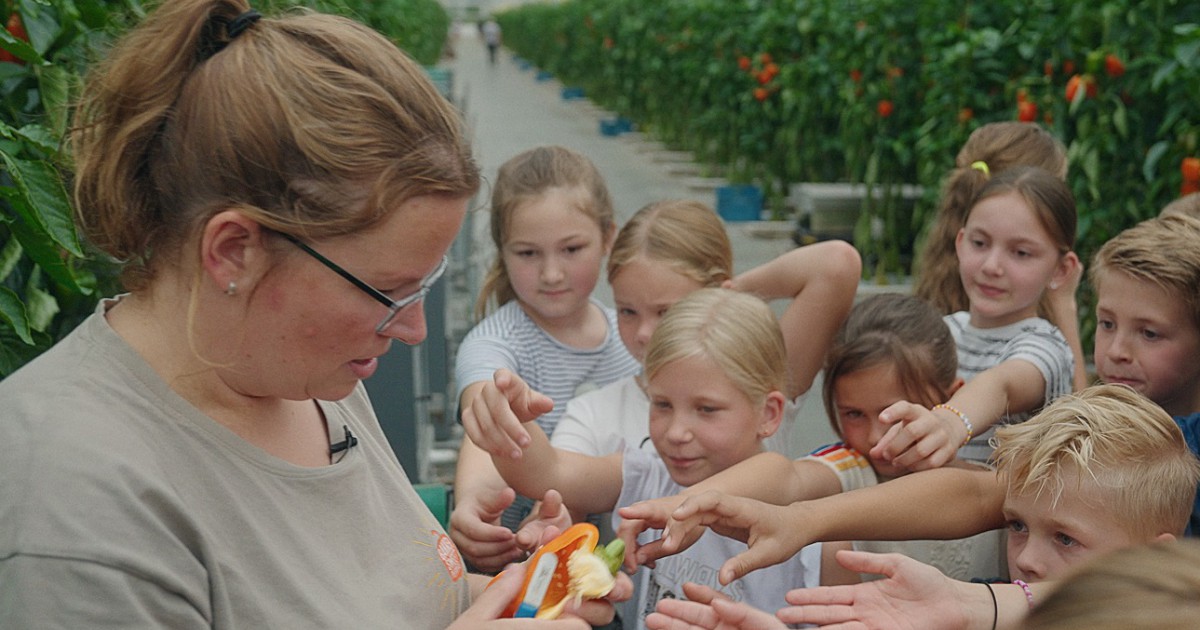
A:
(892, 347)
(1016, 243)
(1101, 470)
(552, 224)
(731, 344)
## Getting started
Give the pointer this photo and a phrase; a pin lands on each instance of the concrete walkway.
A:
(508, 110)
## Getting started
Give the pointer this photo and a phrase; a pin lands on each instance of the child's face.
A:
(1045, 539)
(1145, 339)
(643, 291)
(553, 255)
(859, 398)
(1006, 258)
(701, 423)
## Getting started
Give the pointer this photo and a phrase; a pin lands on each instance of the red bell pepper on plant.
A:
(1027, 111)
(1190, 168)
(1113, 65)
(884, 108)
(761, 94)
(17, 30)
(744, 63)
(1089, 86)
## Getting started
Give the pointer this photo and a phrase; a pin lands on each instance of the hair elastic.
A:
(982, 167)
(961, 416)
(239, 24)
(995, 605)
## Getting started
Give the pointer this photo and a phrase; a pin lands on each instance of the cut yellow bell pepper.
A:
(567, 567)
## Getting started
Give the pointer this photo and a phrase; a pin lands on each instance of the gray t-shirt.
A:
(123, 506)
(1033, 340)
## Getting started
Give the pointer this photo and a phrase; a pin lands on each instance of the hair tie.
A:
(239, 24)
(982, 167)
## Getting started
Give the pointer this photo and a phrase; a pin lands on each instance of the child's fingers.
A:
(506, 426)
(524, 403)
(700, 593)
(678, 614)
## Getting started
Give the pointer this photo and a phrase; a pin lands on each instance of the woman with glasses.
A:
(200, 452)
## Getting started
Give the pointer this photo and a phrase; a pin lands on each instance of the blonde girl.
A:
(989, 151)
(672, 248)
(552, 224)
(730, 342)
(1015, 244)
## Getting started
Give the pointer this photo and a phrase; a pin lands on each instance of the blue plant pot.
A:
(572, 93)
(740, 202)
(544, 75)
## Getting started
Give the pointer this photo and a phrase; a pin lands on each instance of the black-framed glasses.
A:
(394, 306)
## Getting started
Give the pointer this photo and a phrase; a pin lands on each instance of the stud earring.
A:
(231, 289)
(1053, 285)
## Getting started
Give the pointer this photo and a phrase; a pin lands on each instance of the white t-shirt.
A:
(646, 477)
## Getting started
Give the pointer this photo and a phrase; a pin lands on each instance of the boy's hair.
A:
(1187, 205)
(685, 235)
(1000, 146)
(1163, 251)
(1130, 450)
(1048, 196)
(1147, 586)
(310, 124)
(899, 330)
(527, 177)
(734, 330)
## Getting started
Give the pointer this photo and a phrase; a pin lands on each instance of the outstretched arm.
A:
(526, 460)
(481, 495)
(912, 595)
(967, 502)
(767, 477)
(920, 438)
(820, 280)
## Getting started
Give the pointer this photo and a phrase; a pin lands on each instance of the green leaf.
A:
(40, 137)
(9, 256)
(19, 48)
(12, 310)
(40, 307)
(44, 205)
(1155, 154)
(55, 84)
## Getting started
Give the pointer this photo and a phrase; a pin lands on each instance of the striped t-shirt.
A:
(1033, 340)
(509, 339)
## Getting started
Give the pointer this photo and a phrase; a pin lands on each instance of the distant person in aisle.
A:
(491, 37)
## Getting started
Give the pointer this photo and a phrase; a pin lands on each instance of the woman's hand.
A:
(485, 612)
(492, 418)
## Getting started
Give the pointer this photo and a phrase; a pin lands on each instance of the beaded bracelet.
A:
(961, 416)
(1028, 591)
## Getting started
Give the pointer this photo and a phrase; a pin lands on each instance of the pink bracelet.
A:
(1028, 591)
